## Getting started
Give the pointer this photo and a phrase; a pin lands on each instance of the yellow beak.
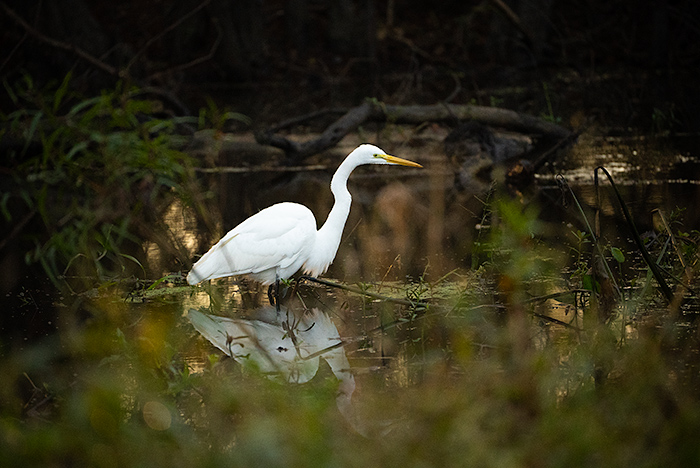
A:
(395, 160)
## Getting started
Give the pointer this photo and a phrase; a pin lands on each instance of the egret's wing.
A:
(277, 236)
(263, 346)
(280, 236)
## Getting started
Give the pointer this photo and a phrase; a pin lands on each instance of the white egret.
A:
(270, 348)
(282, 239)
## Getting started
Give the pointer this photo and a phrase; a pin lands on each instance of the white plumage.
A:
(280, 240)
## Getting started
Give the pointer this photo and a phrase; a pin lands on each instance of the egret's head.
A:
(370, 154)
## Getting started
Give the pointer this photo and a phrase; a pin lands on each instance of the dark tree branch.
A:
(198, 60)
(329, 138)
(562, 143)
(307, 117)
(59, 44)
(515, 20)
(167, 30)
(14, 49)
(17, 229)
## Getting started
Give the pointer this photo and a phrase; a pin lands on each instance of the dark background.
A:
(623, 63)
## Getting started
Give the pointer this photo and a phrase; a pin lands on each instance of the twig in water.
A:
(686, 268)
(558, 294)
(415, 304)
(562, 181)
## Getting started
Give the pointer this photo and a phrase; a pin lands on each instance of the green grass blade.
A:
(656, 271)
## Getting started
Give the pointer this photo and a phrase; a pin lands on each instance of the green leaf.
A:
(32, 130)
(239, 117)
(157, 282)
(61, 91)
(82, 105)
(121, 339)
(79, 147)
(213, 359)
(133, 259)
(590, 284)
(3, 206)
(617, 254)
(10, 92)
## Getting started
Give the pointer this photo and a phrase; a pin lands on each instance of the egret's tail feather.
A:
(193, 278)
(216, 263)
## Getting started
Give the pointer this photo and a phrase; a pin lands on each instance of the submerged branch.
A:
(405, 302)
(422, 305)
(558, 294)
(555, 321)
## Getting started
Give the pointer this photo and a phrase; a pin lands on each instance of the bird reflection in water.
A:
(286, 351)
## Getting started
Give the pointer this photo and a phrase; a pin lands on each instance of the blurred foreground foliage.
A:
(483, 377)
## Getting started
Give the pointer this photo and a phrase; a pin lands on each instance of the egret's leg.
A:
(270, 295)
(277, 294)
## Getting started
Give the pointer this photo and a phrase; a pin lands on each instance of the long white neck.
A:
(332, 230)
(328, 237)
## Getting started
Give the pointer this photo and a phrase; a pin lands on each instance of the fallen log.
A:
(330, 137)
(491, 116)
(372, 110)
